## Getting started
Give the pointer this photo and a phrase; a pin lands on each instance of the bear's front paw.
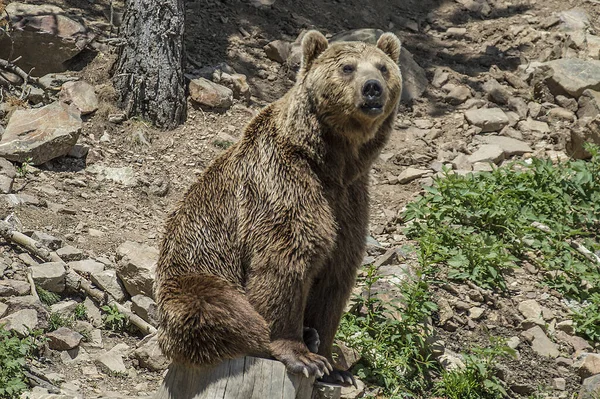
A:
(311, 339)
(299, 360)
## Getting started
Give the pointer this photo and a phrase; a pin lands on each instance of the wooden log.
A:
(243, 378)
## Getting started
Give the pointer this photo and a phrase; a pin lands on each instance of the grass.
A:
(478, 227)
(114, 320)
(14, 352)
(46, 297)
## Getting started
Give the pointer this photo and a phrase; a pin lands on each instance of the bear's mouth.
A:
(372, 108)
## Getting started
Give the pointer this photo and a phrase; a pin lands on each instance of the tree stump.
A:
(242, 378)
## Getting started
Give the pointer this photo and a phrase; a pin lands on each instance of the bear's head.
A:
(353, 86)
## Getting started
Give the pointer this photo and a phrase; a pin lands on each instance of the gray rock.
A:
(590, 389)
(566, 326)
(518, 105)
(107, 280)
(573, 76)
(496, 92)
(111, 362)
(458, 95)
(7, 168)
(353, 392)
(6, 184)
(278, 50)
(487, 153)
(136, 266)
(78, 151)
(559, 384)
(451, 361)
(575, 19)
(21, 321)
(540, 343)
(14, 287)
(3, 309)
(93, 312)
(238, 83)
(150, 356)
(587, 365)
(530, 309)
(508, 145)
(40, 134)
(146, 308)
(589, 104)
(53, 243)
(213, 95)
(69, 253)
(530, 125)
(87, 267)
(64, 308)
(50, 276)
(346, 357)
(81, 95)
(476, 313)
(488, 119)
(42, 37)
(568, 103)
(76, 355)
(440, 77)
(590, 133)
(561, 114)
(63, 339)
(409, 174)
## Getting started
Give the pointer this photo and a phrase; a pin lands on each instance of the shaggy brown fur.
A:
(270, 237)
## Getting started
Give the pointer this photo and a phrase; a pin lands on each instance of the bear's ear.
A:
(313, 44)
(391, 45)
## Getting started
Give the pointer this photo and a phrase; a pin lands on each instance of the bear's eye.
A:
(383, 69)
(348, 68)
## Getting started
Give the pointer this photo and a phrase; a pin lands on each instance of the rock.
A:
(278, 50)
(589, 104)
(566, 326)
(487, 153)
(63, 339)
(476, 6)
(146, 308)
(352, 392)
(69, 253)
(579, 344)
(508, 145)
(573, 76)
(560, 114)
(47, 240)
(238, 83)
(518, 105)
(64, 308)
(345, 356)
(535, 109)
(21, 321)
(513, 342)
(530, 309)
(496, 92)
(210, 94)
(410, 174)
(124, 175)
(111, 362)
(530, 125)
(50, 276)
(150, 356)
(107, 280)
(581, 135)
(93, 312)
(488, 119)
(14, 287)
(587, 365)
(81, 95)
(7, 168)
(6, 184)
(42, 37)
(523, 389)
(540, 343)
(590, 389)
(559, 384)
(440, 77)
(136, 267)
(567, 103)
(476, 313)
(40, 134)
(3, 310)
(458, 95)
(451, 361)
(87, 267)
(575, 19)
(456, 32)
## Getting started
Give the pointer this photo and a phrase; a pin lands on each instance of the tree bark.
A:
(149, 72)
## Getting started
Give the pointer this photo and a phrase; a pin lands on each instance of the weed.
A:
(47, 297)
(23, 170)
(481, 225)
(56, 321)
(477, 380)
(391, 337)
(80, 312)
(14, 352)
(222, 144)
(113, 319)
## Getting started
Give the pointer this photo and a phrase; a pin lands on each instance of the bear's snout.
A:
(372, 93)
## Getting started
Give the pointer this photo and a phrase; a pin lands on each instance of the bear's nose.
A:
(372, 89)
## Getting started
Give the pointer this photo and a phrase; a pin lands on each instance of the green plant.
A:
(47, 297)
(391, 336)
(587, 319)
(80, 312)
(14, 352)
(477, 380)
(23, 170)
(222, 144)
(478, 226)
(56, 321)
(113, 319)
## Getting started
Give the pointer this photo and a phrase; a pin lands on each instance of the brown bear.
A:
(268, 241)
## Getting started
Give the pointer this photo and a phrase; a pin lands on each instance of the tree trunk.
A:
(242, 378)
(149, 72)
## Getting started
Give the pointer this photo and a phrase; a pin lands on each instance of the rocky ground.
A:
(486, 81)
